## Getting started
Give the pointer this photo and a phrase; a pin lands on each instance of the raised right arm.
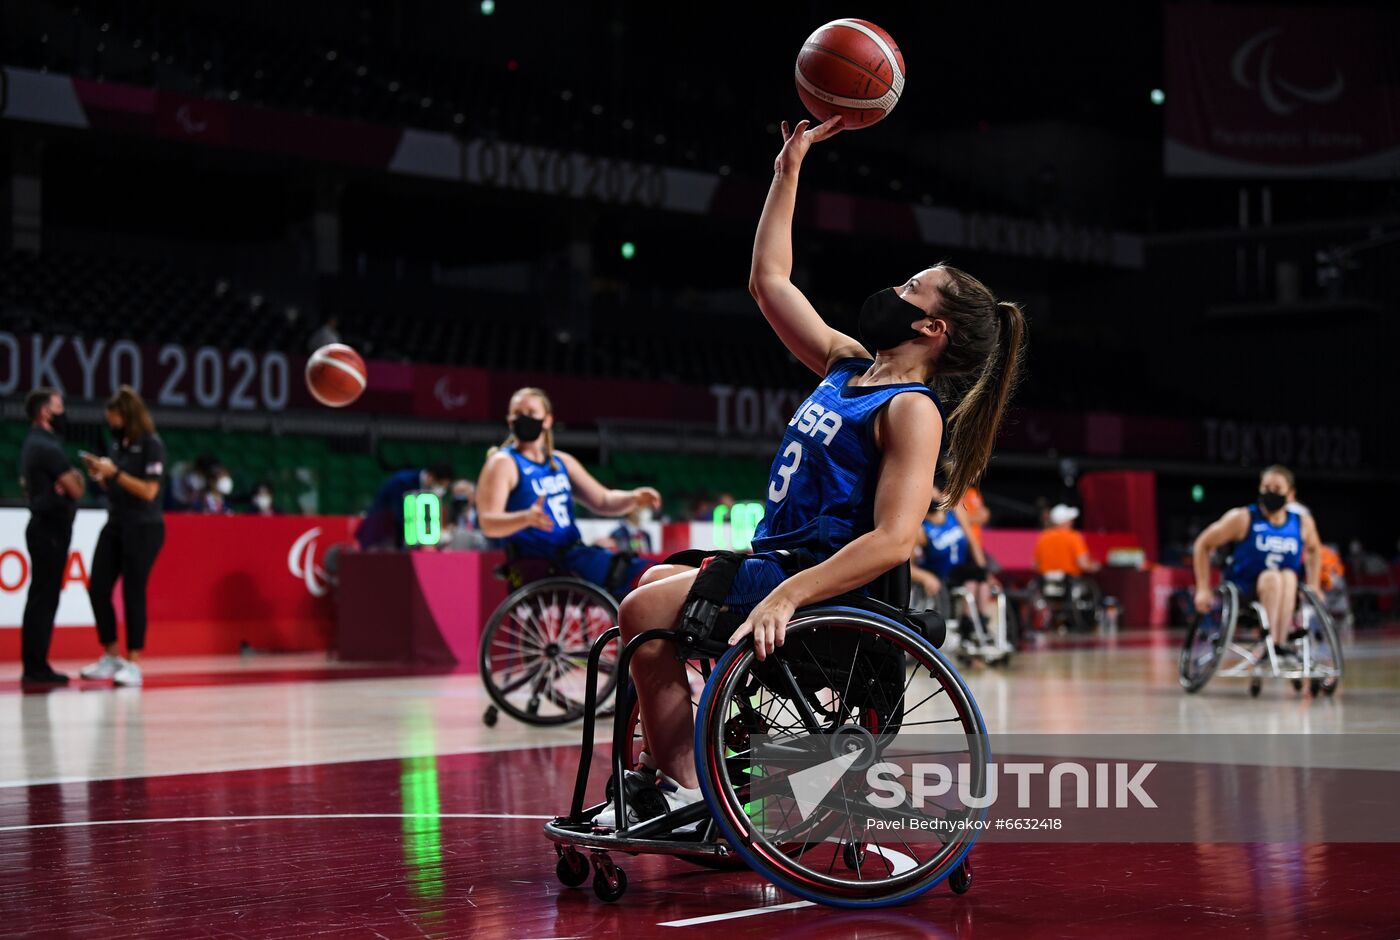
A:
(786, 308)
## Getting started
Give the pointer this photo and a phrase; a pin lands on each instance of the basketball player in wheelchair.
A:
(950, 573)
(847, 492)
(1267, 611)
(565, 592)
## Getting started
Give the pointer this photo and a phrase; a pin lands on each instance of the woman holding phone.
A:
(132, 537)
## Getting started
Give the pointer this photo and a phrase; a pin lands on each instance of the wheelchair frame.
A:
(1068, 606)
(575, 831)
(1260, 659)
(543, 675)
(994, 647)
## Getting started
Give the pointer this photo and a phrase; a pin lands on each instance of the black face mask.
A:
(526, 428)
(887, 319)
(1270, 501)
(58, 424)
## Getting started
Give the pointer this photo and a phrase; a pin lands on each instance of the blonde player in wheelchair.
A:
(565, 592)
(950, 570)
(848, 490)
(1270, 584)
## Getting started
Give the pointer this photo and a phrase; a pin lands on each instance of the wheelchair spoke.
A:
(523, 680)
(932, 695)
(528, 628)
(519, 634)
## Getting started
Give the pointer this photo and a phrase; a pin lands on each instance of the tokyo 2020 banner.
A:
(1255, 91)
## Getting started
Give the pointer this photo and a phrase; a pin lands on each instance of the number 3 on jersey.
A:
(778, 489)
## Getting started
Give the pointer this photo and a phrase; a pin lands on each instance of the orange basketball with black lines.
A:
(851, 68)
(335, 375)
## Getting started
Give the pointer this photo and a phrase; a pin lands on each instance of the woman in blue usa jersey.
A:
(1273, 546)
(854, 472)
(525, 498)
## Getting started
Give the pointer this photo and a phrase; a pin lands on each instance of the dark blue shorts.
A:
(592, 564)
(758, 575)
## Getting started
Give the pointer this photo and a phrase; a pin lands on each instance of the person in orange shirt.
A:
(975, 510)
(1333, 571)
(1060, 548)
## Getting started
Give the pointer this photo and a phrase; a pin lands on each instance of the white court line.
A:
(185, 819)
(238, 768)
(733, 915)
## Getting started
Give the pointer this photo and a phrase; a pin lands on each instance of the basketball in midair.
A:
(851, 68)
(335, 375)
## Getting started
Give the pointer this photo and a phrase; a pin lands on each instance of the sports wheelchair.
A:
(1233, 640)
(1059, 599)
(972, 636)
(535, 643)
(852, 674)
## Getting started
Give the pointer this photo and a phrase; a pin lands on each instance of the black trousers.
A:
(47, 541)
(130, 551)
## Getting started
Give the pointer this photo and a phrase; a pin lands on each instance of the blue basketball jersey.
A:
(1266, 548)
(947, 545)
(821, 488)
(536, 480)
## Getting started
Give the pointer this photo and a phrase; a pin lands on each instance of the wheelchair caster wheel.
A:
(490, 717)
(853, 855)
(961, 878)
(1315, 687)
(610, 888)
(1298, 685)
(1255, 687)
(1328, 688)
(572, 868)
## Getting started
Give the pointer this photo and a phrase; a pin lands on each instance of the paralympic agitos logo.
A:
(301, 562)
(1279, 94)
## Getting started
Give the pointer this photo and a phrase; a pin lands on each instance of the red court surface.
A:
(253, 798)
(446, 846)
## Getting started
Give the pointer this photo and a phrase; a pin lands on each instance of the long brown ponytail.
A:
(985, 339)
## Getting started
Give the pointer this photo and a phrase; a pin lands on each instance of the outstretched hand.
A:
(797, 140)
(537, 518)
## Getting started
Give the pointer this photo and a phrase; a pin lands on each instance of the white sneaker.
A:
(104, 668)
(677, 797)
(128, 674)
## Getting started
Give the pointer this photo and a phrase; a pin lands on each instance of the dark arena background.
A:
(281, 659)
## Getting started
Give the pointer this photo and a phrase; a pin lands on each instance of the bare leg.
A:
(1287, 605)
(1270, 589)
(661, 572)
(662, 685)
(986, 603)
(653, 574)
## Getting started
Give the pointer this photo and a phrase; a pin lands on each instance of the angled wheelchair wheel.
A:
(1324, 645)
(1208, 638)
(534, 650)
(849, 689)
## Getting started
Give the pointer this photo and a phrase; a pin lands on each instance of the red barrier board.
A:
(219, 581)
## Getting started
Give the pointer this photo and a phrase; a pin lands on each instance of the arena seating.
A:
(348, 71)
(155, 301)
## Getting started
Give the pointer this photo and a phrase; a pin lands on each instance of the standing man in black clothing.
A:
(52, 487)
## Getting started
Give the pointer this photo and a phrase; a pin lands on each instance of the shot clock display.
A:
(422, 518)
